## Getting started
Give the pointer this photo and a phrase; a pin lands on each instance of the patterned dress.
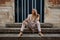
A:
(31, 23)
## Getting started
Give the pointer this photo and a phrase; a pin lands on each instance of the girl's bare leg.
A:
(39, 28)
(22, 28)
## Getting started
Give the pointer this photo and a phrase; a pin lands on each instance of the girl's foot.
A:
(41, 34)
(20, 34)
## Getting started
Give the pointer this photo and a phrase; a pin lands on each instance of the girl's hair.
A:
(34, 10)
(34, 16)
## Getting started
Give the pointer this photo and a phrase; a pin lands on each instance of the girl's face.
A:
(33, 12)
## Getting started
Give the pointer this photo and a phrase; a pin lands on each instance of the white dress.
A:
(32, 24)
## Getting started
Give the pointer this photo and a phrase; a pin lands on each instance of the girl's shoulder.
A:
(38, 15)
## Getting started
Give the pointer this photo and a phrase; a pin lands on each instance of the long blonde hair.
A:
(34, 16)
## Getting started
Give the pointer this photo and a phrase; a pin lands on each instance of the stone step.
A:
(29, 37)
(18, 25)
(26, 30)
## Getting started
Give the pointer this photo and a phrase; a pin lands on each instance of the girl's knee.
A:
(24, 23)
(38, 22)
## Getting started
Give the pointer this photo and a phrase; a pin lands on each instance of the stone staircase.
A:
(11, 32)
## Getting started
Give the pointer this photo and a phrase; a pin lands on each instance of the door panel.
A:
(24, 7)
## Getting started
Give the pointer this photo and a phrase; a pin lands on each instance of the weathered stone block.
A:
(7, 12)
(52, 15)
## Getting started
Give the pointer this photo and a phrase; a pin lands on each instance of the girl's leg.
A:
(39, 28)
(22, 28)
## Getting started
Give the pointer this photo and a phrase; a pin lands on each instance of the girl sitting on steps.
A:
(32, 21)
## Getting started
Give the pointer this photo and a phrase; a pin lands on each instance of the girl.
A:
(32, 20)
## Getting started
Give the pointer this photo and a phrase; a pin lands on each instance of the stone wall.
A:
(52, 14)
(6, 12)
